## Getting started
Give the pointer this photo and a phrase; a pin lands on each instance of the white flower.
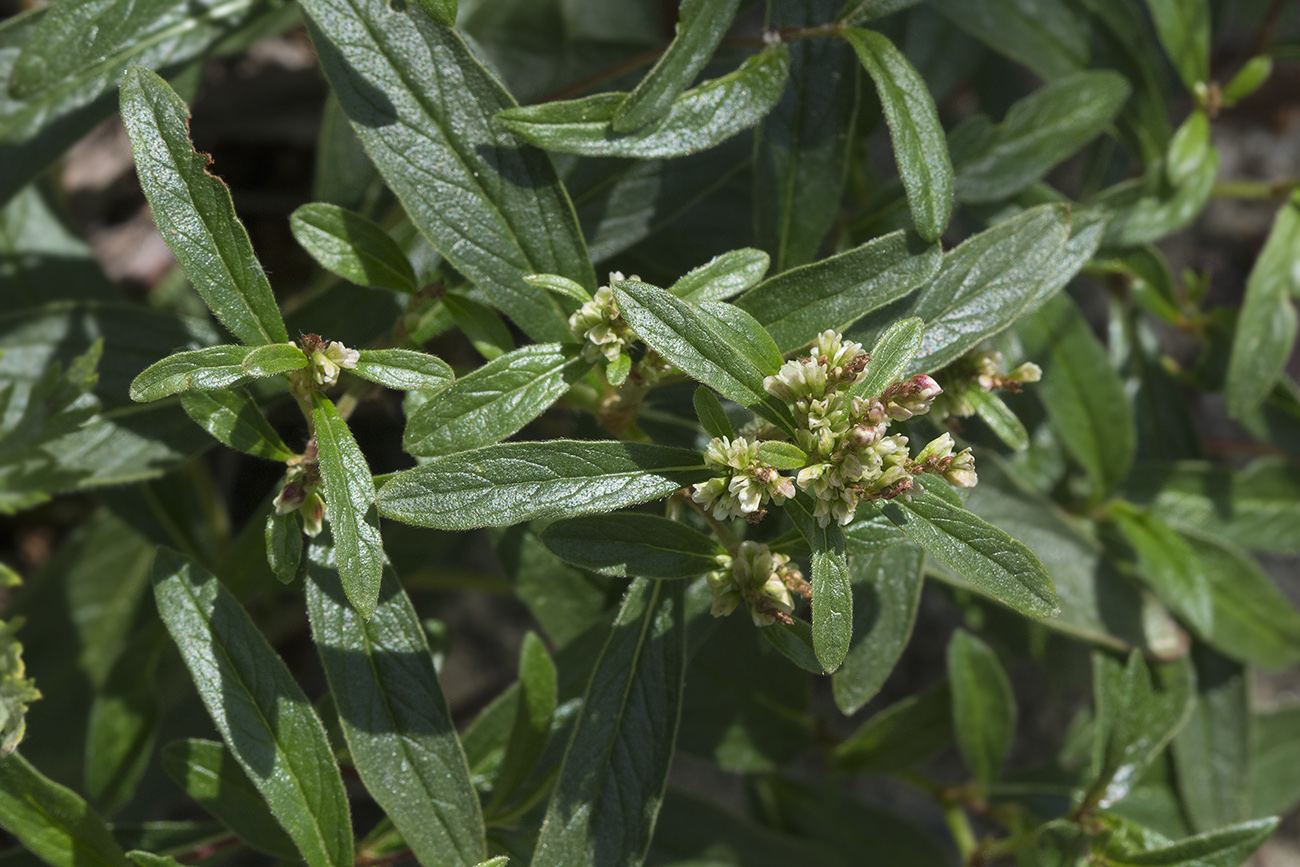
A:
(326, 363)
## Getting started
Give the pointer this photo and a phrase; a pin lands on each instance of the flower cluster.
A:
(748, 482)
(979, 369)
(765, 582)
(327, 359)
(599, 324)
(300, 491)
(850, 454)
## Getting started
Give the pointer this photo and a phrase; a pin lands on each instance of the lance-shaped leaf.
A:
(633, 545)
(902, 735)
(403, 369)
(886, 589)
(217, 367)
(1184, 29)
(803, 148)
(1000, 418)
(232, 416)
(534, 711)
(1167, 565)
(352, 246)
(995, 161)
(350, 505)
(394, 717)
(698, 119)
(614, 773)
(984, 284)
(722, 276)
(51, 821)
(194, 212)
(891, 357)
(834, 293)
(983, 706)
(1211, 751)
(1257, 508)
(700, 28)
(713, 418)
(832, 592)
(733, 360)
(513, 482)
(1251, 621)
(493, 401)
(1275, 750)
(493, 208)
(920, 148)
(1147, 209)
(208, 772)
(1083, 395)
(1138, 712)
(1224, 847)
(259, 709)
(990, 560)
(1266, 325)
(284, 543)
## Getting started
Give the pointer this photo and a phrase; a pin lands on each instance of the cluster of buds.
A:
(599, 324)
(851, 457)
(300, 491)
(980, 369)
(747, 482)
(764, 581)
(326, 359)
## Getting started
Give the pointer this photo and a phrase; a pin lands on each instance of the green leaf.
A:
(1184, 29)
(1000, 419)
(987, 281)
(394, 718)
(920, 148)
(352, 246)
(1097, 602)
(990, 560)
(487, 332)
(1211, 751)
(1051, 38)
(148, 859)
(983, 706)
(698, 119)
(803, 147)
(123, 722)
(632, 545)
(832, 592)
(284, 543)
(782, 456)
(561, 285)
(794, 641)
(436, 145)
(713, 418)
(902, 735)
(53, 822)
(232, 416)
(994, 162)
(493, 401)
(834, 293)
(1167, 565)
(349, 493)
(722, 276)
(1188, 148)
(615, 770)
(886, 596)
(1248, 79)
(1136, 718)
(214, 368)
(208, 772)
(1251, 620)
(859, 11)
(891, 357)
(1266, 325)
(532, 727)
(701, 27)
(404, 369)
(701, 346)
(513, 482)
(695, 830)
(1147, 209)
(442, 11)
(262, 714)
(1226, 847)
(1083, 395)
(1275, 749)
(194, 212)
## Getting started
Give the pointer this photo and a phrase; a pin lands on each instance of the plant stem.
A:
(962, 833)
(1256, 190)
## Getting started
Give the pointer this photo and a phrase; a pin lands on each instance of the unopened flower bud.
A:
(1027, 372)
(313, 514)
(961, 472)
(913, 397)
(938, 448)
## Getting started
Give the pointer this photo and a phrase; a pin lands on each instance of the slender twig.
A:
(1256, 190)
